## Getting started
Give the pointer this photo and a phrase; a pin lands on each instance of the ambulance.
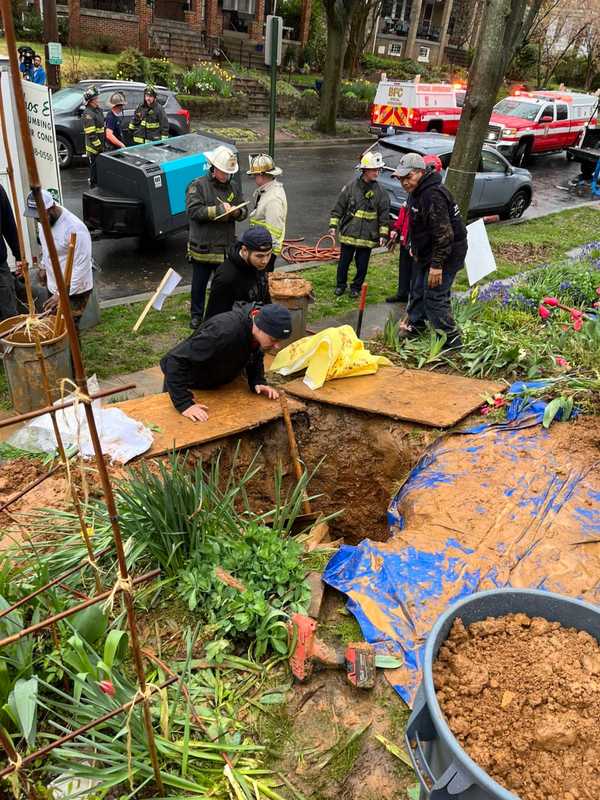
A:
(532, 123)
(414, 106)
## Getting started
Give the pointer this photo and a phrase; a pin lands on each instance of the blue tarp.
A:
(495, 505)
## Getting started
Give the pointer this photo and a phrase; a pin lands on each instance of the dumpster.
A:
(141, 189)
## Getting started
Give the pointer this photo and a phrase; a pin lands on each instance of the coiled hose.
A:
(295, 253)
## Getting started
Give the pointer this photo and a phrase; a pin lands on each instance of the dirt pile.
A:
(522, 696)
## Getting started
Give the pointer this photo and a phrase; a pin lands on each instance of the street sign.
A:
(55, 53)
(273, 40)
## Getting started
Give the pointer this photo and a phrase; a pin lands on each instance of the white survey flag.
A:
(167, 287)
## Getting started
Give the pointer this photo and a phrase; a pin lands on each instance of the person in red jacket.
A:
(399, 232)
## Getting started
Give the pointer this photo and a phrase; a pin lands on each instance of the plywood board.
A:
(427, 398)
(231, 409)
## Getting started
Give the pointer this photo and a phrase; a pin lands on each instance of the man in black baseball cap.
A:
(242, 277)
(221, 349)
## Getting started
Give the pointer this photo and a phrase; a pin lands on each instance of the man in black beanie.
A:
(242, 277)
(222, 348)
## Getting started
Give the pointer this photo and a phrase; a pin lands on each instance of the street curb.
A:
(254, 146)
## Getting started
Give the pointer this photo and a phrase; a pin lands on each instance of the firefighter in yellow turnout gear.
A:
(150, 122)
(361, 216)
(93, 129)
(270, 202)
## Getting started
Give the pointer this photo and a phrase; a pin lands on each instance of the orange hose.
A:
(295, 253)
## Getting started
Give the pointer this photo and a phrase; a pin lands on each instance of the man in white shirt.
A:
(63, 224)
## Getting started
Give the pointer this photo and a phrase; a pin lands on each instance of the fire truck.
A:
(531, 123)
(411, 105)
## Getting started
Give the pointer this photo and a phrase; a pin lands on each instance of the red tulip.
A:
(576, 314)
(543, 312)
(485, 409)
(577, 324)
(562, 362)
(108, 688)
(499, 402)
(550, 301)
(598, 290)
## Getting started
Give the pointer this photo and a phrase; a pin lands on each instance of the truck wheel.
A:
(521, 154)
(65, 152)
(517, 205)
(434, 127)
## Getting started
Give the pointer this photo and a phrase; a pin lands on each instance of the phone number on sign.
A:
(44, 154)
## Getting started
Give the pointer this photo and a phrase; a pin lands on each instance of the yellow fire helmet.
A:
(224, 159)
(263, 164)
(371, 160)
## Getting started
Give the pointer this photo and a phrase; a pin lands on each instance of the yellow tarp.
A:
(332, 353)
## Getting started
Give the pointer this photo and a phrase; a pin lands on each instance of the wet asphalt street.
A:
(312, 176)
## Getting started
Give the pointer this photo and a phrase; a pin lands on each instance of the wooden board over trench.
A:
(426, 398)
(231, 409)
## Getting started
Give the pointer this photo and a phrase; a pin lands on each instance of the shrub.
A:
(308, 105)
(132, 65)
(30, 26)
(207, 78)
(160, 71)
(365, 90)
(353, 107)
(401, 68)
(100, 43)
(215, 107)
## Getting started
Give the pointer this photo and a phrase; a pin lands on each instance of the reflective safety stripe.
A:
(334, 222)
(276, 234)
(384, 230)
(357, 242)
(365, 214)
(91, 151)
(89, 130)
(210, 258)
(145, 124)
(139, 139)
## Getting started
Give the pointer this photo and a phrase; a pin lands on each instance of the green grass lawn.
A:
(112, 349)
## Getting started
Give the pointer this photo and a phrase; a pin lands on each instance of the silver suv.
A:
(67, 105)
(499, 188)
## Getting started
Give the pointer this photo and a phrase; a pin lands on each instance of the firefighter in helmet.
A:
(149, 123)
(361, 220)
(270, 202)
(93, 129)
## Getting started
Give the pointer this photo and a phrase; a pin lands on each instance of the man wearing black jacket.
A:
(438, 242)
(219, 350)
(242, 277)
(8, 236)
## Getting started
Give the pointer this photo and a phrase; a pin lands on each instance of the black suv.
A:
(68, 107)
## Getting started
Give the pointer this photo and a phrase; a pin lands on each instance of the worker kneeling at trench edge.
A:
(219, 351)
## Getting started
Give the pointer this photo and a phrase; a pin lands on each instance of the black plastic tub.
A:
(444, 769)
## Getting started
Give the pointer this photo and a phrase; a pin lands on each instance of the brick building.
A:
(181, 30)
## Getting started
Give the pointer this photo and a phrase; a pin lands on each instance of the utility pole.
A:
(273, 46)
(51, 35)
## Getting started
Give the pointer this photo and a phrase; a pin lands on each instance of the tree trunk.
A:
(504, 26)
(330, 91)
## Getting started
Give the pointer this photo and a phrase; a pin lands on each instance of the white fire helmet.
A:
(371, 160)
(224, 159)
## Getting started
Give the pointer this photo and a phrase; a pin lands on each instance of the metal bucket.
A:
(23, 369)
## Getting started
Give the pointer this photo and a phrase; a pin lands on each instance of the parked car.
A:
(499, 187)
(68, 108)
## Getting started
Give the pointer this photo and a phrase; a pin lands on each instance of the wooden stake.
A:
(293, 447)
(148, 305)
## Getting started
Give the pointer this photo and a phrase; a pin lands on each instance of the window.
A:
(424, 54)
(491, 162)
(562, 112)
(511, 107)
(395, 49)
(548, 112)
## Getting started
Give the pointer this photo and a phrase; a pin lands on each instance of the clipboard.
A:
(235, 208)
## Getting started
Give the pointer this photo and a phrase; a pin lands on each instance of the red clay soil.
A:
(522, 696)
